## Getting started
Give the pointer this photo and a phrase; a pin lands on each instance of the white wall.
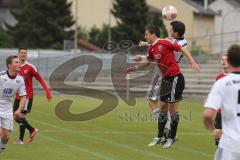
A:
(231, 23)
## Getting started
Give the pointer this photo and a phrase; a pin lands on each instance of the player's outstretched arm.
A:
(190, 59)
(43, 84)
(208, 118)
(139, 66)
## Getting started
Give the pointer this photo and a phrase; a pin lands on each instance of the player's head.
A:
(13, 63)
(224, 60)
(177, 29)
(151, 34)
(22, 53)
(234, 56)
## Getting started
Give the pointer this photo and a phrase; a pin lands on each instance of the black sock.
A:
(21, 131)
(27, 125)
(162, 120)
(174, 125)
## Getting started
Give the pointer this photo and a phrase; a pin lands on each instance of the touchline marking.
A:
(77, 147)
(126, 133)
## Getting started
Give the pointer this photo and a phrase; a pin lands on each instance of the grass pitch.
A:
(122, 134)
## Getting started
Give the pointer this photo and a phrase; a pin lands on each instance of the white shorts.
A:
(222, 154)
(6, 123)
(154, 88)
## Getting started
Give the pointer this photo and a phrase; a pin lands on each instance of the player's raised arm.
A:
(190, 59)
(139, 66)
(43, 83)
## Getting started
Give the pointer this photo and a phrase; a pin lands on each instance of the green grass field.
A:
(114, 136)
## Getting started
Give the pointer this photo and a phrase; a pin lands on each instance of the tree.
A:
(42, 24)
(155, 18)
(132, 17)
(5, 39)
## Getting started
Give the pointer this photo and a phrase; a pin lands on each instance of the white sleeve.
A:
(22, 89)
(214, 99)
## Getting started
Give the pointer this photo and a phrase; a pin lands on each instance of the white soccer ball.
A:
(169, 13)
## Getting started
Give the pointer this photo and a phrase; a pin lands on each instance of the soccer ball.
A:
(169, 13)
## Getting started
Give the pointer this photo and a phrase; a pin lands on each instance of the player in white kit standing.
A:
(225, 95)
(10, 84)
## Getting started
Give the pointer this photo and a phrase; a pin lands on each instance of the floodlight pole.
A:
(76, 27)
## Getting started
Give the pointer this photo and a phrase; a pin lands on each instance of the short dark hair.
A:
(153, 30)
(22, 48)
(178, 27)
(9, 59)
(234, 55)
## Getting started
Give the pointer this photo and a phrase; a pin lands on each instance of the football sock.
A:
(174, 124)
(27, 125)
(162, 120)
(21, 131)
(156, 113)
(3, 143)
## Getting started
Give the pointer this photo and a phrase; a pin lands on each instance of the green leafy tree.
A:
(42, 24)
(132, 17)
(155, 18)
(5, 39)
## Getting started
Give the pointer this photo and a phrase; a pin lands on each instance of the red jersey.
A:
(28, 71)
(219, 76)
(162, 51)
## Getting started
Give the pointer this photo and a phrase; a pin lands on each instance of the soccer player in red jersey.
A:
(173, 83)
(217, 132)
(28, 71)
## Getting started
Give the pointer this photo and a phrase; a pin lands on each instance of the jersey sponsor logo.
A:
(228, 84)
(25, 71)
(160, 47)
(7, 91)
(236, 81)
(157, 56)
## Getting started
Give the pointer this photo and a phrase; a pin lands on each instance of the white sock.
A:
(3, 143)
(156, 113)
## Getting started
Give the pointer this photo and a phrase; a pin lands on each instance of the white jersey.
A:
(9, 86)
(225, 95)
(181, 42)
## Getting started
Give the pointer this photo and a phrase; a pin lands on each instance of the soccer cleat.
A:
(32, 135)
(155, 141)
(18, 142)
(168, 143)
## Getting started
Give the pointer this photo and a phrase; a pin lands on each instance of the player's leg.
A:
(33, 131)
(6, 126)
(176, 96)
(153, 93)
(162, 120)
(21, 126)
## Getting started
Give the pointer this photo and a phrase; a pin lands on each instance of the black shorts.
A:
(218, 121)
(172, 88)
(26, 109)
